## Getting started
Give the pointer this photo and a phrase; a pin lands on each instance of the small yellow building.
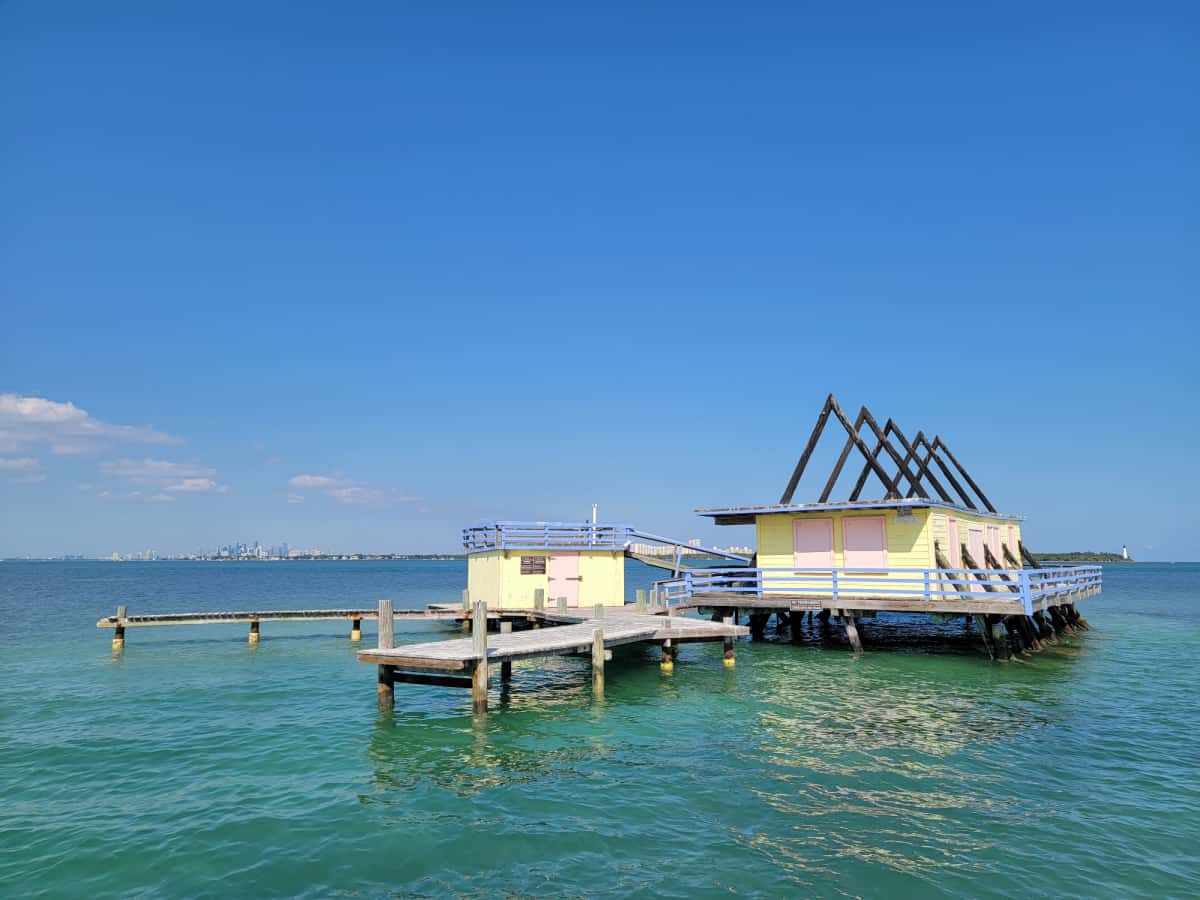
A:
(583, 563)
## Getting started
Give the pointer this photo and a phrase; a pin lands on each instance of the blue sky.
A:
(427, 264)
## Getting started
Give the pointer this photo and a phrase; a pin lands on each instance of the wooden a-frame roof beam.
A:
(808, 449)
(831, 406)
(916, 489)
(837, 469)
(901, 465)
(939, 444)
(922, 441)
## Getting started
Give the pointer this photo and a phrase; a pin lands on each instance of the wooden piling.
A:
(999, 636)
(118, 641)
(729, 660)
(539, 599)
(1016, 640)
(852, 632)
(356, 629)
(385, 688)
(598, 664)
(466, 602)
(561, 602)
(253, 639)
(758, 625)
(640, 597)
(796, 621)
(506, 665)
(1045, 630)
(387, 623)
(479, 675)
(667, 664)
(599, 611)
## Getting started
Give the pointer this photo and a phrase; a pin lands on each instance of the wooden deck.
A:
(618, 627)
(431, 613)
(448, 663)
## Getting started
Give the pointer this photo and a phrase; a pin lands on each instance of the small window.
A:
(864, 542)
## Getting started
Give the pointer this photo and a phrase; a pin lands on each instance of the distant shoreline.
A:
(1084, 556)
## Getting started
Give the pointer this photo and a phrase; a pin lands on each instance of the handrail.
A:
(691, 548)
(925, 584)
(545, 536)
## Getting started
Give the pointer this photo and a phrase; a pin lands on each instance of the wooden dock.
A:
(466, 662)
(122, 620)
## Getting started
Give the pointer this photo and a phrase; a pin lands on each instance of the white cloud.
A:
(65, 428)
(197, 486)
(343, 490)
(317, 481)
(29, 478)
(165, 476)
(160, 498)
(23, 464)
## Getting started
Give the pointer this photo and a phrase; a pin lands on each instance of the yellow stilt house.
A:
(933, 543)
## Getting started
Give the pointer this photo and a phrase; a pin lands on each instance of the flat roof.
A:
(745, 515)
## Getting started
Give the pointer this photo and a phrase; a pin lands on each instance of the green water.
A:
(193, 765)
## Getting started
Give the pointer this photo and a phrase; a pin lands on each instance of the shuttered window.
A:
(864, 542)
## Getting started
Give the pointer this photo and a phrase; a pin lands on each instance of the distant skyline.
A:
(356, 279)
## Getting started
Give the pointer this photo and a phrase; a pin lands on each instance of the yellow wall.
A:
(940, 532)
(909, 542)
(495, 578)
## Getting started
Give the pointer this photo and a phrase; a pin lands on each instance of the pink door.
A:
(812, 543)
(975, 545)
(563, 576)
(955, 547)
(993, 539)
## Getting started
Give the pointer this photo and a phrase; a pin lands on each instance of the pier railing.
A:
(545, 536)
(829, 586)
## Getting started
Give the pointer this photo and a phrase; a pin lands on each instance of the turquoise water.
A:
(194, 765)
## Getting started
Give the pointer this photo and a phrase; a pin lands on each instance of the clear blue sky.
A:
(438, 263)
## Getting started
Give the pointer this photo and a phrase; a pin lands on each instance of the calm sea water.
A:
(194, 765)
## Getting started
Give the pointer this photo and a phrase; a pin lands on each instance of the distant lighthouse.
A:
(1124, 552)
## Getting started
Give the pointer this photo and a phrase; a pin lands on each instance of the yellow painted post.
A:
(118, 642)
(356, 629)
(667, 665)
(729, 660)
(253, 639)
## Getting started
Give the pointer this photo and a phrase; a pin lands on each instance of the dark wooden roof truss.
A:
(912, 468)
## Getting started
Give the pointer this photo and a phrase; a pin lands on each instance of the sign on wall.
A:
(533, 565)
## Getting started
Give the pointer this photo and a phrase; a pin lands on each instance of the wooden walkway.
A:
(457, 654)
(466, 662)
(122, 620)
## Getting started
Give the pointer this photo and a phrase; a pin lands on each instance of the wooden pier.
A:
(467, 662)
(122, 620)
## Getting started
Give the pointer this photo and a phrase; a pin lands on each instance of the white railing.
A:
(927, 585)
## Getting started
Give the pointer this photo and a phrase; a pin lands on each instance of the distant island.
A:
(1085, 556)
